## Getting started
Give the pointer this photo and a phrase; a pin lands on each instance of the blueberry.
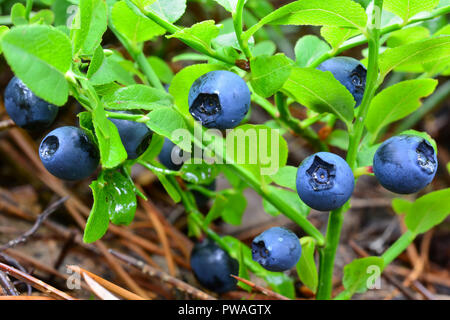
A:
(200, 198)
(325, 181)
(219, 99)
(212, 267)
(276, 249)
(405, 164)
(68, 153)
(26, 109)
(135, 136)
(171, 155)
(350, 73)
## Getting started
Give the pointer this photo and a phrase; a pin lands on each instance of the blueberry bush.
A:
(136, 111)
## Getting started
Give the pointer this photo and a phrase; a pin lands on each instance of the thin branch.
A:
(263, 290)
(52, 208)
(152, 272)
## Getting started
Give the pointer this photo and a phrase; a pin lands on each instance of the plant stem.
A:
(138, 56)
(398, 247)
(312, 120)
(237, 21)
(329, 252)
(171, 28)
(28, 7)
(336, 217)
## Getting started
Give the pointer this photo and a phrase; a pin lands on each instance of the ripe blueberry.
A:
(324, 181)
(350, 73)
(171, 155)
(26, 109)
(219, 99)
(276, 249)
(405, 164)
(212, 267)
(68, 153)
(135, 136)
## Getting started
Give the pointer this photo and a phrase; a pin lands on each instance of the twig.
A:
(6, 124)
(52, 208)
(150, 271)
(263, 290)
(36, 283)
(107, 284)
(10, 260)
(7, 285)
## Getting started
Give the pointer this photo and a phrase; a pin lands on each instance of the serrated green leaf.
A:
(37, 50)
(89, 26)
(396, 102)
(269, 73)
(161, 68)
(135, 28)
(401, 206)
(338, 13)
(320, 92)
(96, 61)
(360, 274)
(306, 266)
(428, 211)
(429, 50)
(170, 10)
(98, 221)
(288, 196)
(137, 96)
(286, 177)
(336, 36)
(406, 9)
(308, 49)
(201, 33)
(165, 121)
(408, 35)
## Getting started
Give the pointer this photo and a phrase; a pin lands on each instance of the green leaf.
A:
(201, 33)
(43, 17)
(3, 31)
(85, 119)
(170, 10)
(258, 148)
(203, 173)
(89, 26)
(266, 47)
(306, 266)
(137, 96)
(165, 121)
(161, 68)
(336, 36)
(429, 50)
(170, 189)
(396, 102)
(37, 50)
(286, 177)
(308, 49)
(406, 9)
(408, 35)
(428, 211)
(96, 61)
(243, 272)
(401, 206)
(18, 14)
(290, 197)
(320, 92)
(98, 221)
(360, 274)
(269, 73)
(338, 13)
(154, 148)
(339, 138)
(229, 5)
(134, 27)
(119, 197)
(278, 281)
(366, 154)
(113, 68)
(234, 209)
(112, 151)
(182, 82)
